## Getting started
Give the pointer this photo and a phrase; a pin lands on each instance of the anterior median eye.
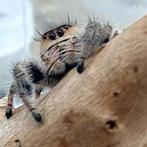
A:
(52, 36)
(60, 32)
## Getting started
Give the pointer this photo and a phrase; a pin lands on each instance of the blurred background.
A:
(20, 18)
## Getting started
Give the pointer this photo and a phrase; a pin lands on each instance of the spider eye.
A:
(60, 32)
(52, 36)
(44, 37)
(66, 27)
(106, 40)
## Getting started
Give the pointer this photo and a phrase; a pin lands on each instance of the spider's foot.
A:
(8, 113)
(80, 67)
(37, 117)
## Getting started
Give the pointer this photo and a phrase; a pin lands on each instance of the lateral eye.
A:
(52, 36)
(106, 40)
(60, 32)
(44, 36)
(66, 27)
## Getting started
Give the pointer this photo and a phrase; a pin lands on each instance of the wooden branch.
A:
(105, 106)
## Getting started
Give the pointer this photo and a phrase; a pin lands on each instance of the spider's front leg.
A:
(35, 115)
(25, 90)
(38, 90)
(25, 74)
(9, 108)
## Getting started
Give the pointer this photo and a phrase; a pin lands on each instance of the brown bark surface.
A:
(105, 106)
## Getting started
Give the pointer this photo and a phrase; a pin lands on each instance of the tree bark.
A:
(105, 106)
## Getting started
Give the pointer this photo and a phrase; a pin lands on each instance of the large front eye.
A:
(52, 36)
(60, 32)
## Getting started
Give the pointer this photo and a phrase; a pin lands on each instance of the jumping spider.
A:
(61, 49)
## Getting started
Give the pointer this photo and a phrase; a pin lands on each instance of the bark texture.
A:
(105, 106)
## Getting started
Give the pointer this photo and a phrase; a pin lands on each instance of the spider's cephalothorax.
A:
(62, 49)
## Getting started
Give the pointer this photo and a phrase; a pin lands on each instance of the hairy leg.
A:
(35, 115)
(25, 90)
(9, 108)
(26, 75)
(38, 90)
(96, 34)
